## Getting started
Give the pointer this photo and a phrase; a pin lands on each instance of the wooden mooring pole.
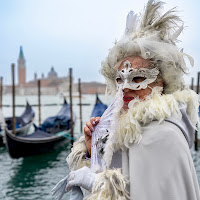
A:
(192, 84)
(13, 98)
(196, 131)
(80, 103)
(71, 104)
(1, 92)
(198, 81)
(39, 102)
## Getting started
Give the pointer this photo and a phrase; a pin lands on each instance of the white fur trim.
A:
(76, 159)
(156, 107)
(110, 185)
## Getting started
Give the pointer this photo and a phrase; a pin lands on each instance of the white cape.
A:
(160, 167)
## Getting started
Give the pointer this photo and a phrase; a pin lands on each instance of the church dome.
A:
(52, 74)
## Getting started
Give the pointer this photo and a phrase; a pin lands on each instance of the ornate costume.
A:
(143, 152)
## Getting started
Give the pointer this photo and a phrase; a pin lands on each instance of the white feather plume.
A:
(131, 23)
(153, 35)
(175, 35)
(111, 185)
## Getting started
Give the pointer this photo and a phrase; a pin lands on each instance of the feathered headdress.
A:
(152, 36)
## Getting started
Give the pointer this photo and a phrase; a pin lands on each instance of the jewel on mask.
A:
(127, 64)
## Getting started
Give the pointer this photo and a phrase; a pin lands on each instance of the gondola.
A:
(41, 141)
(99, 108)
(61, 121)
(23, 122)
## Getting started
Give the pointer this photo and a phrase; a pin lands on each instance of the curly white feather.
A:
(131, 23)
(111, 185)
(155, 107)
(175, 35)
(76, 159)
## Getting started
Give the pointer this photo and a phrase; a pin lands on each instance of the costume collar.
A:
(127, 128)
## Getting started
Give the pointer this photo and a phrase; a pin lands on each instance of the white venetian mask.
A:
(135, 79)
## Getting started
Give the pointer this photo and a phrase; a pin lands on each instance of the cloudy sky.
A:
(77, 34)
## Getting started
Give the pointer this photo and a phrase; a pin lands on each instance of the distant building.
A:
(51, 84)
(52, 74)
(21, 68)
(92, 88)
(35, 76)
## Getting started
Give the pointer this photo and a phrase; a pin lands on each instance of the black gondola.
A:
(23, 122)
(99, 108)
(41, 141)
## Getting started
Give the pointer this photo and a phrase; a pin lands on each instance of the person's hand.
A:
(59, 190)
(83, 177)
(72, 182)
(76, 194)
(88, 129)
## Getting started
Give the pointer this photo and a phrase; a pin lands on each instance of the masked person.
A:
(140, 147)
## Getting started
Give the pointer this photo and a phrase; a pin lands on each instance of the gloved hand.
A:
(83, 177)
(76, 194)
(59, 189)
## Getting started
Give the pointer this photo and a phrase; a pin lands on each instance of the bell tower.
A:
(21, 68)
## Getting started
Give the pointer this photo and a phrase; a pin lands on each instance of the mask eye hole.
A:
(119, 80)
(138, 79)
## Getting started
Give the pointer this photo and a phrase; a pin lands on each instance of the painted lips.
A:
(128, 98)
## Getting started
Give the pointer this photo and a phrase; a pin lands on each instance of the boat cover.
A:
(37, 134)
(25, 118)
(58, 122)
(99, 108)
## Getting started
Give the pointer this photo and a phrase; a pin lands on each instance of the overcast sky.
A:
(77, 34)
